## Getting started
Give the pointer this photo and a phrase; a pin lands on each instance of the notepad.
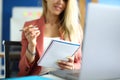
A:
(57, 50)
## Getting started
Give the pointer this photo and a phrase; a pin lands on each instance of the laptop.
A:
(66, 74)
(101, 45)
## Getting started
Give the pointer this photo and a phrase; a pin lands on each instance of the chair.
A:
(12, 57)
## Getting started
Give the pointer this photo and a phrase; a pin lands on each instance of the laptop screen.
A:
(101, 45)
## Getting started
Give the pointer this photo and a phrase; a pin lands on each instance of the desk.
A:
(53, 77)
(50, 76)
(45, 77)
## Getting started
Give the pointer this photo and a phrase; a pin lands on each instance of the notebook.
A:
(101, 45)
(57, 50)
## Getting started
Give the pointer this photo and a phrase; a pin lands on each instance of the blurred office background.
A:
(13, 14)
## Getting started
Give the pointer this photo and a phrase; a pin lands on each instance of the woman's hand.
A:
(31, 33)
(63, 64)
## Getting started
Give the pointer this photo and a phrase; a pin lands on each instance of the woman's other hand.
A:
(67, 64)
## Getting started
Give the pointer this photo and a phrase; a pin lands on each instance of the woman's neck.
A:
(51, 19)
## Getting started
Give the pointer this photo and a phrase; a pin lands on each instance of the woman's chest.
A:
(51, 31)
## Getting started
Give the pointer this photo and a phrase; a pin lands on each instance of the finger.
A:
(71, 59)
(32, 26)
(29, 28)
(60, 67)
(31, 31)
(35, 33)
(27, 33)
(38, 33)
(65, 63)
(65, 67)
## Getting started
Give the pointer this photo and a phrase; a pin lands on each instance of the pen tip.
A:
(20, 30)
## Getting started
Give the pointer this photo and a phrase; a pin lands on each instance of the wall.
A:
(83, 7)
(110, 2)
(0, 23)
(1, 59)
(12, 3)
(19, 16)
(7, 13)
(5, 20)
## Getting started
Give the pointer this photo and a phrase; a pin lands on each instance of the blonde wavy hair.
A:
(69, 21)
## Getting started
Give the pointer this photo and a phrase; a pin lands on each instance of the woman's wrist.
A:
(32, 44)
(30, 53)
(31, 49)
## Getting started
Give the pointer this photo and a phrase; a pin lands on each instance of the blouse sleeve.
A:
(24, 65)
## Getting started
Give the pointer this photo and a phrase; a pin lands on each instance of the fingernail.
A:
(68, 57)
(58, 61)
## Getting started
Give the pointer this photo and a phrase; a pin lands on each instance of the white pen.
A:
(21, 30)
(30, 27)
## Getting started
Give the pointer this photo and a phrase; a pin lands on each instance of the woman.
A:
(60, 20)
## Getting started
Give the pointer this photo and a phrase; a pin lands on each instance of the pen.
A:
(21, 30)
(45, 73)
(30, 27)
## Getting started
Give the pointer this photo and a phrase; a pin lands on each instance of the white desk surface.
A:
(53, 77)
